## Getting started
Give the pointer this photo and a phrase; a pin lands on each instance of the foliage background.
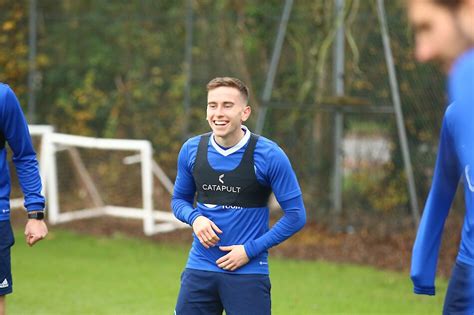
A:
(116, 69)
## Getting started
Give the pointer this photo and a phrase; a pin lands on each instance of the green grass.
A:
(74, 274)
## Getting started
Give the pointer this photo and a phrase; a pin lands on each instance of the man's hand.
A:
(236, 258)
(35, 230)
(205, 231)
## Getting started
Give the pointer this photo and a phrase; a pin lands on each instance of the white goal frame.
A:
(54, 142)
(40, 131)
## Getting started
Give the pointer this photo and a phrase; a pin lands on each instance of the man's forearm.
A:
(292, 221)
(184, 211)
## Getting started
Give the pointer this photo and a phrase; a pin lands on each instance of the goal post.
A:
(95, 165)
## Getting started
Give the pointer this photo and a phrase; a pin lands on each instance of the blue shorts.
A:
(459, 298)
(6, 242)
(209, 293)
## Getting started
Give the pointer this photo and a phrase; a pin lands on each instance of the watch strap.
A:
(38, 215)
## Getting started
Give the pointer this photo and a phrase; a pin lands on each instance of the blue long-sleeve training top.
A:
(14, 130)
(455, 162)
(240, 226)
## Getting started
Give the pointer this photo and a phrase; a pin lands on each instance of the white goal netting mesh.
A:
(89, 178)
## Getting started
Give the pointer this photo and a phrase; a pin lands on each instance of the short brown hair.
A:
(229, 82)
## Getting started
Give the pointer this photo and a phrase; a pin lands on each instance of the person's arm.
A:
(182, 202)
(184, 189)
(426, 248)
(15, 130)
(285, 186)
(17, 135)
(292, 221)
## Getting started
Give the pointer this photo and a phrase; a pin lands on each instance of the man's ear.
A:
(247, 112)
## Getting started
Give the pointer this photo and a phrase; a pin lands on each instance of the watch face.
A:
(36, 215)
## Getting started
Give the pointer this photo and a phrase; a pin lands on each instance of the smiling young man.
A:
(232, 173)
(444, 31)
(14, 131)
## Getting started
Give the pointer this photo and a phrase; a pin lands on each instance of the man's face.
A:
(439, 34)
(226, 110)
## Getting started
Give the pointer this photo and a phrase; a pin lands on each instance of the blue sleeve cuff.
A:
(35, 207)
(193, 217)
(424, 290)
(250, 249)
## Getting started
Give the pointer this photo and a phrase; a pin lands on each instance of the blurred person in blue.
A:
(232, 173)
(14, 131)
(444, 33)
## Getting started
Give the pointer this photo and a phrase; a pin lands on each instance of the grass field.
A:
(75, 274)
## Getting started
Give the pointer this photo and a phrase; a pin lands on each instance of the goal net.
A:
(91, 177)
(37, 133)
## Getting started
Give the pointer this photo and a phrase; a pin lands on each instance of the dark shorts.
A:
(209, 293)
(6, 242)
(459, 298)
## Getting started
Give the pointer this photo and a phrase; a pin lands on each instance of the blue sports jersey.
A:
(240, 226)
(14, 128)
(455, 161)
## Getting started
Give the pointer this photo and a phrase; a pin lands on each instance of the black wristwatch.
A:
(38, 215)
